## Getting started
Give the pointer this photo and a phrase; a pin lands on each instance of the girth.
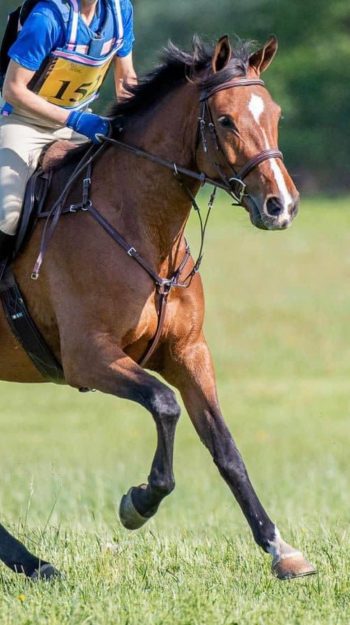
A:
(26, 331)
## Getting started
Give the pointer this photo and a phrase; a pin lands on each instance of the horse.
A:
(203, 115)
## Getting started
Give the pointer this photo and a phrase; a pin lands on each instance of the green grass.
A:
(278, 322)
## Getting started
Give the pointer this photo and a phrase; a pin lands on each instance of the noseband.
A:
(235, 183)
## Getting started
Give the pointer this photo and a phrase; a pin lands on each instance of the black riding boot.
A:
(6, 246)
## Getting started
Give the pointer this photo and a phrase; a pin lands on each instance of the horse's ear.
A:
(222, 54)
(261, 59)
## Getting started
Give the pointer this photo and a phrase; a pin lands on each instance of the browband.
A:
(236, 82)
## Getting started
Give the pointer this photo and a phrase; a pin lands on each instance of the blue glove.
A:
(6, 109)
(89, 124)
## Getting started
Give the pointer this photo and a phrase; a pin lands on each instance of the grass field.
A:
(278, 321)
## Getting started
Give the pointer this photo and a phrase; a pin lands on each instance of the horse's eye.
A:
(226, 122)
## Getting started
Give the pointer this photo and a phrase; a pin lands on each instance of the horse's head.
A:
(239, 136)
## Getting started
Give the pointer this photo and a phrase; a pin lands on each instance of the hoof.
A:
(129, 516)
(45, 572)
(291, 566)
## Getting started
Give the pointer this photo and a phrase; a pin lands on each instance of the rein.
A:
(233, 185)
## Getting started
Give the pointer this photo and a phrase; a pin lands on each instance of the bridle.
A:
(206, 123)
(232, 184)
(235, 183)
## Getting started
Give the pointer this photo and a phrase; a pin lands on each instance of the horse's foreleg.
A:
(141, 502)
(126, 379)
(192, 373)
(20, 560)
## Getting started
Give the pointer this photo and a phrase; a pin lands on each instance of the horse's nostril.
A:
(274, 207)
(294, 209)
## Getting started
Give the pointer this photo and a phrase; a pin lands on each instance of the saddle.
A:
(58, 161)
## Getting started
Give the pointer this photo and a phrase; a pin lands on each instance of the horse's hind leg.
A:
(20, 560)
(126, 379)
(192, 373)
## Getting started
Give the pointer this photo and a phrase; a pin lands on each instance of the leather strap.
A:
(236, 82)
(26, 331)
(131, 251)
(161, 318)
(256, 160)
(56, 210)
(177, 169)
(163, 285)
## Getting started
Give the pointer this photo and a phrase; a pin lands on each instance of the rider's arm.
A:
(42, 32)
(15, 91)
(124, 74)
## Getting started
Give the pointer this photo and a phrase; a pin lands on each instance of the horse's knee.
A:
(164, 405)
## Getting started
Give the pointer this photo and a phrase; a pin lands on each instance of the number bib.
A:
(72, 83)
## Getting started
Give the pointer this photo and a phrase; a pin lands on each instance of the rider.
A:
(57, 65)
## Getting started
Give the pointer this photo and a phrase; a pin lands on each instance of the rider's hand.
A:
(89, 124)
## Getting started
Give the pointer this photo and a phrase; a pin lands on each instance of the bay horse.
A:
(97, 308)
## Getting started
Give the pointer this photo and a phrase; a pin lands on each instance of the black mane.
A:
(176, 67)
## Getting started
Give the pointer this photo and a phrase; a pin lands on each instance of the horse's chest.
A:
(143, 327)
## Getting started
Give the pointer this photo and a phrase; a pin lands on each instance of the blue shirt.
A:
(44, 31)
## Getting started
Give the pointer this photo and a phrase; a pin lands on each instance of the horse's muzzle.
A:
(271, 214)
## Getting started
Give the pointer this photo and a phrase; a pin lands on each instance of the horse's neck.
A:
(169, 131)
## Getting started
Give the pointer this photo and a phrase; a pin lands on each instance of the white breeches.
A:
(21, 143)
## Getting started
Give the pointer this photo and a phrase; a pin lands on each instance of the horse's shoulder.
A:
(60, 153)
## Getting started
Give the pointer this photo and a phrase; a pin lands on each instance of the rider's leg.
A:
(21, 143)
(17, 163)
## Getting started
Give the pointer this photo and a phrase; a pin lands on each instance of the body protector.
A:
(71, 76)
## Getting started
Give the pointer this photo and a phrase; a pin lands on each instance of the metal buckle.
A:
(202, 125)
(86, 206)
(238, 188)
(86, 190)
(74, 208)
(165, 287)
(212, 131)
(131, 251)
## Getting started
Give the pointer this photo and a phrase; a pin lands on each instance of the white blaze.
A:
(256, 107)
(281, 183)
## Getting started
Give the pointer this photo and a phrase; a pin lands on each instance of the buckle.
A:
(86, 206)
(74, 208)
(164, 287)
(238, 188)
